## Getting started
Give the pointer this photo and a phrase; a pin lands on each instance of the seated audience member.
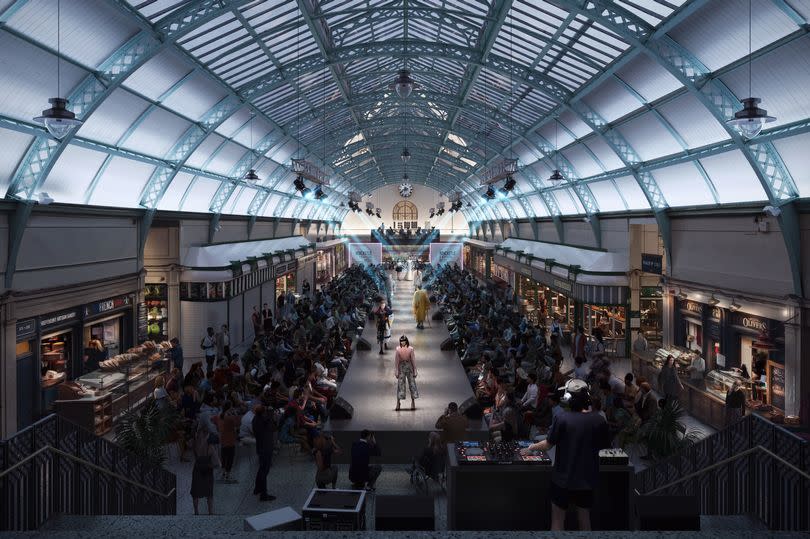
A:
(452, 424)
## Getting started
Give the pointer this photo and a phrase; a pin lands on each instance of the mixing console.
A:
(498, 453)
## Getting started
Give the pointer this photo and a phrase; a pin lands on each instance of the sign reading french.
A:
(369, 254)
(447, 253)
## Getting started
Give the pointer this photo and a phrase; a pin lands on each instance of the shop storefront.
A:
(736, 346)
(571, 295)
(478, 258)
(329, 261)
(56, 352)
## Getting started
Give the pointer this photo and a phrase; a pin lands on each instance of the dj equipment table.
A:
(490, 487)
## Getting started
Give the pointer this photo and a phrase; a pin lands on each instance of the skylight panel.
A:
(357, 138)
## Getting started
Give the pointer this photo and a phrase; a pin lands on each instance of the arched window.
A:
(405, 215)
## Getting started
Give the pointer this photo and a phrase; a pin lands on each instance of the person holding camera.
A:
(327, 473)
(362, 474)
(578, 434)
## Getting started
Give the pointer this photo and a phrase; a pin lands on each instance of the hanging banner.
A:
(369, 254)
(447, 253)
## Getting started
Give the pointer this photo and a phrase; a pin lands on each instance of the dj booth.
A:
(490, 486)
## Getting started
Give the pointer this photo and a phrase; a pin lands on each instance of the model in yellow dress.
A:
(421, 306)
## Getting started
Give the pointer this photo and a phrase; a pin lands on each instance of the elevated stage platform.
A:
(370, 387)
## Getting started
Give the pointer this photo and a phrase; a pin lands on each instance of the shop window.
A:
(405, 215)
(611, 321)
(156, 297)
(55, 358)
(651, 306)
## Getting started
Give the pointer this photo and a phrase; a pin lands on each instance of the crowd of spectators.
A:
(280, 390)
(515, 367)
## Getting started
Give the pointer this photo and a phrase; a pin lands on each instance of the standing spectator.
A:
(696, 369)
(267, 319)
(640, 344)
(176, 354)
(529, 399)
(202, 475)
(209, 347)
(630, 390)
(256, 319)
(452, 424)
(228, 425)
(327, 473)
(224, 343)
(580, 343)
(668, 382)
(263, 429)
(361, 473)
(735, 403)
(647, 405)
(305, 288)
(578, 435)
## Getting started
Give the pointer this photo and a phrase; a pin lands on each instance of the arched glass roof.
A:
(639, 91)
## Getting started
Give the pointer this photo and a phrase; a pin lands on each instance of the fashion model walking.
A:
(405, 370)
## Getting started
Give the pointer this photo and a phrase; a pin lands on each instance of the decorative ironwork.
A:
(496, 173)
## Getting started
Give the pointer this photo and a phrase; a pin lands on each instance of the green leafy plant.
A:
(144, 432)
(665, 433)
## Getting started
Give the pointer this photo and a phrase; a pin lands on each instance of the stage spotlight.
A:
(299, 184)
(510, 184)
(307, 193)
(490, 194)
(433, 212)
(379, 213)
(319, 194)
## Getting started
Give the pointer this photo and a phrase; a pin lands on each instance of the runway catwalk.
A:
(370, 385)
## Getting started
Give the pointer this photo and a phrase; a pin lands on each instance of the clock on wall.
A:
(405, 190)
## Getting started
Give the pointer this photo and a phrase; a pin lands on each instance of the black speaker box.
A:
(471, 409)
(404, 513)
(448, 344)
(664, 513)
(362, 344)
(341, 409)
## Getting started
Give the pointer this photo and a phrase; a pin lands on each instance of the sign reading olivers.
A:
(447, 253)
(369, 254)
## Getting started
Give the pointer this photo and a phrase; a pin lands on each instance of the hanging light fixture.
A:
(251, 176)
(750, 120)
(556, 176)
(58, 120)
(403, 85)
(405, 155)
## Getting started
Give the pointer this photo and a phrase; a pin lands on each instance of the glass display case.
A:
(718, 382)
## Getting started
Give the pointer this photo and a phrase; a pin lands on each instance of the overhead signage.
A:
(368, 254)
(693, 307)
(107, 305)
(651, 263)
(284, 267)
(447, 254)
(26, 328)
(58, 318)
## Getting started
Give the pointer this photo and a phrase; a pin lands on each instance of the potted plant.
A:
(665, 433)
(145, 431)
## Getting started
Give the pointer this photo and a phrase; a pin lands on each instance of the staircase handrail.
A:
(755, 449)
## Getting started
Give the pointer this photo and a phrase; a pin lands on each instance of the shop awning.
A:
(480, 244)
(590, 266)
(223, 254)
(331, 243)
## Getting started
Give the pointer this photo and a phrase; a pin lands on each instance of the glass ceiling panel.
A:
(122, 183)
(608, 196)
(198, 198)
(72, 174)
(632, 193)
(793, 151)
(175, 191)
(733, 178)
(683, 185)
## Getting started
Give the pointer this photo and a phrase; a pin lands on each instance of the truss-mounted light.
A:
(404, 84)
(405, 155)
(556, 177)
(490, 193)
(319, 194)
